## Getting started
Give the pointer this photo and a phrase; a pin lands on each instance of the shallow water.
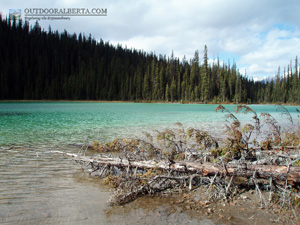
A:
(44, 188)
(39, 187)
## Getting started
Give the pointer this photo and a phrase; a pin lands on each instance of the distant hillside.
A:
(38, 64)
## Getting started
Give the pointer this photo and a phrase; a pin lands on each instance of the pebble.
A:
(244, 197)
(188, 207)
(209, 210)
(204, 203)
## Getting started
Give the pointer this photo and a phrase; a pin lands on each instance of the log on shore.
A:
(276, 172)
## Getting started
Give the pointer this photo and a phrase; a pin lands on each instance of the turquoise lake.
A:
(40, 187)
(54, 124)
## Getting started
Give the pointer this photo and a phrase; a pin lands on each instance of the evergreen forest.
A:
(47, 65)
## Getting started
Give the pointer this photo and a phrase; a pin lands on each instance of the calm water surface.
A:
(53, 124)
(38, 187)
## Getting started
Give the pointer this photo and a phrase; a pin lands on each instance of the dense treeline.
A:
(38, 64)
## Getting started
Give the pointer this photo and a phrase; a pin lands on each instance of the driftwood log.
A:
(287, 173)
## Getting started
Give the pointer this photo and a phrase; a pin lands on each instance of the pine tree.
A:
(38, 64)
(238, 89)
(167, 95)
(161, 84)
(223, 88)
(147, 85)
(205, 89)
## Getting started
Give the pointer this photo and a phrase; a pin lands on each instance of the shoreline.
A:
(144, 101)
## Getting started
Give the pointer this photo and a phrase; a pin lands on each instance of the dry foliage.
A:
(262, 142)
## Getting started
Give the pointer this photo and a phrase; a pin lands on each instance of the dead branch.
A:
(277, 172)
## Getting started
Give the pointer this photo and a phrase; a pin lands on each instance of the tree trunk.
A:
(277, 172)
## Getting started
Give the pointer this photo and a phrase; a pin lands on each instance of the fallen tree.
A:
(276, 172)
(189, 158)
(135, 178)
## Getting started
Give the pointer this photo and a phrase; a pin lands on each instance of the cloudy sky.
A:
(259, 35)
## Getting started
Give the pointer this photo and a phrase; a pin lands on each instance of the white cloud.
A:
(278, 48)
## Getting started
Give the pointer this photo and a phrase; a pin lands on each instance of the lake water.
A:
(63, 123)
(38, 187)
